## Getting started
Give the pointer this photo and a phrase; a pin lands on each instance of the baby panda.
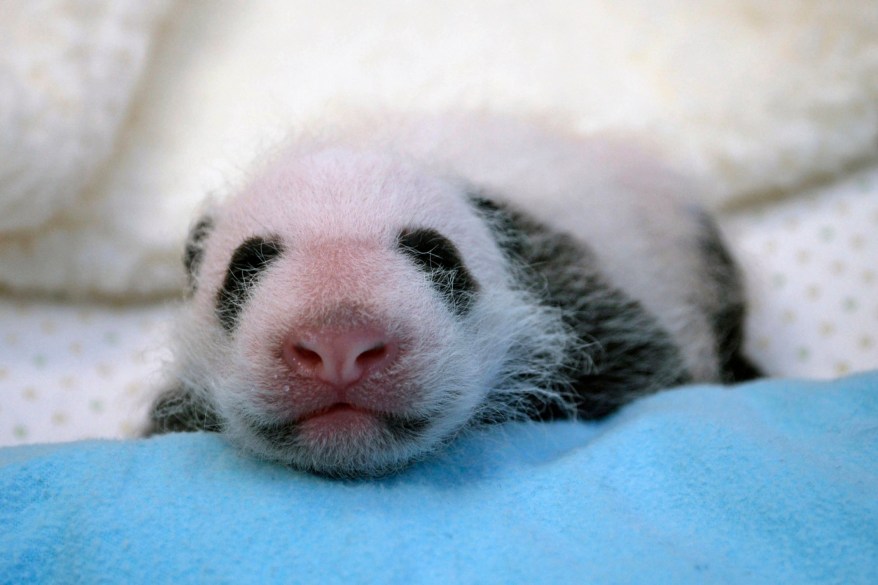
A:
(370, 293)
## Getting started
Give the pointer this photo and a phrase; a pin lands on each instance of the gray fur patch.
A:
(628, 355)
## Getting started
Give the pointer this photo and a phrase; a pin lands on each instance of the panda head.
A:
(352, 312)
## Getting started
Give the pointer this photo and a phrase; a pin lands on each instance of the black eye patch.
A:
(439, 258)
(248, 262)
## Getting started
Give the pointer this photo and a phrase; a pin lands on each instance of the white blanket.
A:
(104, 154)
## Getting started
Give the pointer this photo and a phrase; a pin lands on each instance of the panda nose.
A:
(340, 358)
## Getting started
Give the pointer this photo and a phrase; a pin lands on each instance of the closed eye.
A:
(439, 258)
(249, 261)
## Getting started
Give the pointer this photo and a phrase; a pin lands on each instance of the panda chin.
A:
(344, 441)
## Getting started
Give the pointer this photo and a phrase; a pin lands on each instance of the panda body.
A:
(368, 295)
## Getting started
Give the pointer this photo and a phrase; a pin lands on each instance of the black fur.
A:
(194, 251)
(627, 353)
(248, 262)
(728, 319)
(179, 411)
(440, 259)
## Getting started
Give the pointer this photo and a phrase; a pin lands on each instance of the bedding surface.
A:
(771, 482)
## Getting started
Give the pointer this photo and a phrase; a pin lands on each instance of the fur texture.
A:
(69, 70)
(493, 299)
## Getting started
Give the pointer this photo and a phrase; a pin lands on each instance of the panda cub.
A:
(370, 293)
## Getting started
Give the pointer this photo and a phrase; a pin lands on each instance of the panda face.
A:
(352, 310)
(350, 313)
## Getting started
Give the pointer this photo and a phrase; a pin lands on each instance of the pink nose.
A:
(340, 358)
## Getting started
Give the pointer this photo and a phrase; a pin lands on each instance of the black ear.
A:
(194, 250)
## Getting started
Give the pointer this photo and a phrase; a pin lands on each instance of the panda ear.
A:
(194, 250)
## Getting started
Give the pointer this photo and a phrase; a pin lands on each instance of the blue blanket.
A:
(773, 482)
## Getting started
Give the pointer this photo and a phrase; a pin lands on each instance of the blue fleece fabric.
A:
(771, 482)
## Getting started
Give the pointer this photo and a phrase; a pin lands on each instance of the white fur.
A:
(341, 211)
(338, 202)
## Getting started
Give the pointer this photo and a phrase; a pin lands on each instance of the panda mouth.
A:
(338, 419)
(339, 408)
(343, 419)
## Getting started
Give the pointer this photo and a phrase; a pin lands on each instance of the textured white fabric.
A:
(68, 72)
(812, 268)
(751, 96)
(72, 372)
